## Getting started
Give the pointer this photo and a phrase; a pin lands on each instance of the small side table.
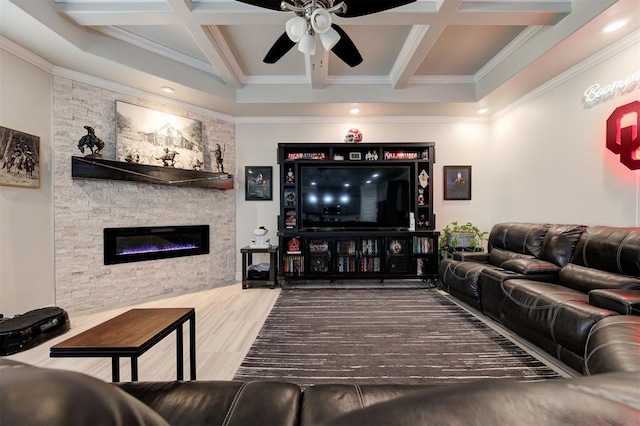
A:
(247, 259)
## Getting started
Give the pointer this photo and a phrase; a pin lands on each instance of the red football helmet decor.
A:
(353, 135)
(625, 140)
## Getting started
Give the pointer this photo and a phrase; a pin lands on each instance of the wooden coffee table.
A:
(130, 335)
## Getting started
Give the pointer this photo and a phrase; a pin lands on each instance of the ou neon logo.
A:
(625, 140)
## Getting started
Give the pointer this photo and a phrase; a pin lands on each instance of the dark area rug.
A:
(381, 336)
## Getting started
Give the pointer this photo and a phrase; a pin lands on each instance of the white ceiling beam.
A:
(366, 93)
(420, 41)
(231, 12)
(95, 14)
(211, 42)
(317, 67)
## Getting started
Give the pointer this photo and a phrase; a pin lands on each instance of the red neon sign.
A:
(624, 140)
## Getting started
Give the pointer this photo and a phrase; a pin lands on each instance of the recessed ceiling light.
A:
(483, 110)
(355, 110)
(167, 89)
(614, 26)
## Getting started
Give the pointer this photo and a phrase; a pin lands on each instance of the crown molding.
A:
(27, 56)
(509, 49)
(352, 119)
(126, 90)
(599, 57)
(150, 46)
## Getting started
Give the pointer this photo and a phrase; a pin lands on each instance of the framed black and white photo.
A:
(457, 182)
(258, 183)
(146, 136)
(19, 159)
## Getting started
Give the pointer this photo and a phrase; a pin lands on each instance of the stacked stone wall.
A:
(84, 207)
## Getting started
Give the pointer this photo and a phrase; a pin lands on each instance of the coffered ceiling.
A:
(431, 57)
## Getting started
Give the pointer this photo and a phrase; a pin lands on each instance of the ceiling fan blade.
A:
(279, 49)
(367, 7)
(345, 49)
(266, 4)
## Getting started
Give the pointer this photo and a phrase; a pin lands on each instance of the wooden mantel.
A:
(98, 168)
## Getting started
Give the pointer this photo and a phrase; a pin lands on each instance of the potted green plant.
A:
(456, 235)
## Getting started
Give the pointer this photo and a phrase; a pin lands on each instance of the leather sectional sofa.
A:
(552, 284)
(36, 396)
(572, 290)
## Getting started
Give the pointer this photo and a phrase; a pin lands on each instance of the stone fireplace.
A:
(135, 244)
(83, 208)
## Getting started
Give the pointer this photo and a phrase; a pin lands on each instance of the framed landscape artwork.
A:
(258, 183)
(146, 136)
(19, 159)
(457, 182)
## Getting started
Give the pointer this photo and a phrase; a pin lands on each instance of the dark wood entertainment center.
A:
(334, 225)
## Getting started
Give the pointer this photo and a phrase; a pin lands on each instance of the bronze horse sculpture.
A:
(91, 141)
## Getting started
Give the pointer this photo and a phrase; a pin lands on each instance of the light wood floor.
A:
(228, 320)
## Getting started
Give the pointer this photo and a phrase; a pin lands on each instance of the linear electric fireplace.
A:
(123, 245)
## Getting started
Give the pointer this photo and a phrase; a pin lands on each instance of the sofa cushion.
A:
(610, 249)
(31, 395)
(584, 279)
(606, 399)
(525, 238)
(560, 242)
(613, 345)
(325, 402)
(498, 256)
(562, 314)
(220, 402)
(530, 266)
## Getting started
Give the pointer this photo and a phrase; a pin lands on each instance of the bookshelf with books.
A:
(346, 226)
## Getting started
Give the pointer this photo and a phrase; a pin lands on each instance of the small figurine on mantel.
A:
(218, 153)
(91, 141)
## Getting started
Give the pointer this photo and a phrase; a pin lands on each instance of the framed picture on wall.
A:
(457, 182)
(19, 159)
(258, 183)
(158, 138)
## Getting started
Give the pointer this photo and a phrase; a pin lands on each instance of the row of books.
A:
(293, 265)
(422, 245)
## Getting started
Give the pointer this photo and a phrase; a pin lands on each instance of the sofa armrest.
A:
(626, 302)
(531, 267)
(613, 345)
(467, 256)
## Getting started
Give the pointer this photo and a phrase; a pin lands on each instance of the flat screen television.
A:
(367, 196)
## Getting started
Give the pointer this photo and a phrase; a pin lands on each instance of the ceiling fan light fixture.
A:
(320, 20)
(307, 44)
(296, 28)
(329, 39)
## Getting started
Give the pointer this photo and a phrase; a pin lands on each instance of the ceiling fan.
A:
(314, 17)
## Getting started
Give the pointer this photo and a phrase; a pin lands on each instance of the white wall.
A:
(543, 162)
(26, 215)
(550, 160)
(457, 143)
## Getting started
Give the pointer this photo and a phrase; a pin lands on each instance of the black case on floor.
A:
(25, 331)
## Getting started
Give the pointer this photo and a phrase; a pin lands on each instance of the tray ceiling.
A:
(444, 57)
